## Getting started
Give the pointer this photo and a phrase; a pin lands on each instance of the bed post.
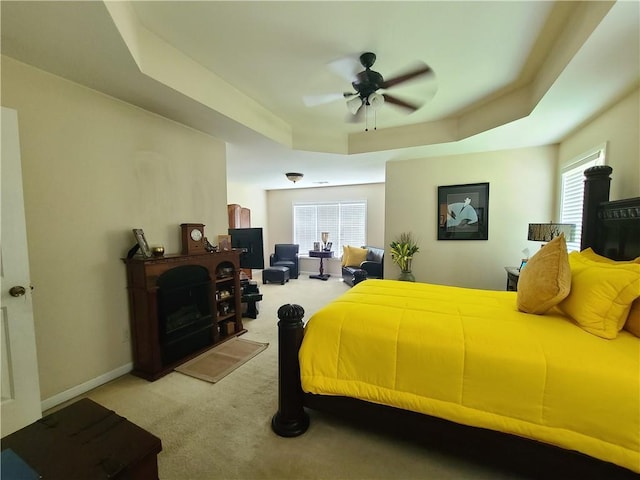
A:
(291, 420)
(596, 190)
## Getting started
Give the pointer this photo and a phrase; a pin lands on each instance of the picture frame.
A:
(142, 242)
(224, 243)
(463, 212)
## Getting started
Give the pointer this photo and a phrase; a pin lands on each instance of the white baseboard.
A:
(85, 387)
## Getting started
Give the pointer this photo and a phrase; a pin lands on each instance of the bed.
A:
(473, 358)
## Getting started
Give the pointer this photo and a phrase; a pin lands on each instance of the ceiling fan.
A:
(366, 85)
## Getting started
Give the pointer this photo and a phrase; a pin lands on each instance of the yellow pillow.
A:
(546, 278)
(353, 256)
(601, 294)
(345, 255)
(633, 319)
(589, 254)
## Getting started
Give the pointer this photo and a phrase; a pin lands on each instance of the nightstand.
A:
(513, 274)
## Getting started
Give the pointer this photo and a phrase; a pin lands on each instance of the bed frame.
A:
(610, 228)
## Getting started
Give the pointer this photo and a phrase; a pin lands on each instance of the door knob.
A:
(17, 291)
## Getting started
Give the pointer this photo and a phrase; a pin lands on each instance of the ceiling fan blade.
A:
(400, 103)
(347, 68)
(405, 77)
(315, 100)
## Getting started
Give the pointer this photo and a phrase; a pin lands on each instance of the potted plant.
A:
(402, 251)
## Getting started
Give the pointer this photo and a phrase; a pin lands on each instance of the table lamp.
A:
(325, 239)
(545, 232)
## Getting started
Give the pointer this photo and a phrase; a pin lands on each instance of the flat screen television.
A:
(249, 240)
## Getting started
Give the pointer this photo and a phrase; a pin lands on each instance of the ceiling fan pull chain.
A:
(366, 118)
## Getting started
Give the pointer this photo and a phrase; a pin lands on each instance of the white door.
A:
(20, 384)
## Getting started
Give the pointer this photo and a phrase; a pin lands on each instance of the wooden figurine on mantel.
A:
(209, 247)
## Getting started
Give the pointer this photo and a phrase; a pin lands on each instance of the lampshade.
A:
(375, 100)
(545, 232)
(294, 176)
(354, 104)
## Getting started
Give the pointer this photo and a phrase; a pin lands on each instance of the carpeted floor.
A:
(222, 430)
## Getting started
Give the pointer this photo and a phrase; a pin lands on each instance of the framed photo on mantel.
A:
(142, 242)
(463, 212)
(224, 243)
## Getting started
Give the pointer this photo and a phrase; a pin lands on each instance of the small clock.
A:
(196, 235)
(192, 238)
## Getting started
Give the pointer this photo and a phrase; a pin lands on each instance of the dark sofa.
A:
(372, 267)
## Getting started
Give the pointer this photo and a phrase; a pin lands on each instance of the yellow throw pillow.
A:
(601, 294)
(345, 255)
(354, 256)
(546, 278)
(633, 319)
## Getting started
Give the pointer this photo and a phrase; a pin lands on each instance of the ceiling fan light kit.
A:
(375, 100)
(353, 104)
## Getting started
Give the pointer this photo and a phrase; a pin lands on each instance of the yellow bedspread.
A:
(471, 357)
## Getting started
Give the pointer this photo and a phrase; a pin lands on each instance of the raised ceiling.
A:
(507, 74)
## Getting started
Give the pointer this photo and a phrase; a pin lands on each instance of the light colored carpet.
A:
(223, 430)
(218, 362)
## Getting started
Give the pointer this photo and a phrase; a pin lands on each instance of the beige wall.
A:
(618, 127)
(524, 186)
(93, 169)
(521, 190)
(280, 216)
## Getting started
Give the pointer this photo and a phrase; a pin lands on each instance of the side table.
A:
(513, 275)
(321, 254)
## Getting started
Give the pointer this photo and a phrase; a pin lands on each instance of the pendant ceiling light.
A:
(294, 177)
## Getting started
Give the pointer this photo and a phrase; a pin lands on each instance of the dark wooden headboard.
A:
(610, 228)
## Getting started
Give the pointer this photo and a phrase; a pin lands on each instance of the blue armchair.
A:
(286, 255)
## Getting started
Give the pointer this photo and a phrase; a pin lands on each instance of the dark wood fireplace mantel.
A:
(153, 357)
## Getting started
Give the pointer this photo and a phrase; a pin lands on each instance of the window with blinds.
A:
(573, 192)
(346, 223)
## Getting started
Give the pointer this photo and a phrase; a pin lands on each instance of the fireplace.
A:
(178, 310)
(185, 317)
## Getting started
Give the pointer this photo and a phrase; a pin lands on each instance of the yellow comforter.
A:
(469, 356)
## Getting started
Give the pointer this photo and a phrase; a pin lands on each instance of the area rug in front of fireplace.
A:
(215, 364)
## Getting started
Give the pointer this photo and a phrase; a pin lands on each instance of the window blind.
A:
(345, 222)
(572, 195)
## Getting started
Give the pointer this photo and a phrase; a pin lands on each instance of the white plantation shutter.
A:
(573, 192)
(345, 222)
